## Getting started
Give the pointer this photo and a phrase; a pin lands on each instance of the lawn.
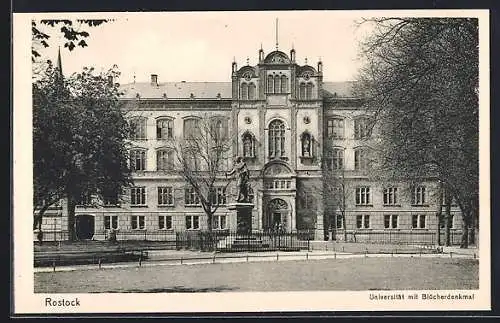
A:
(334, 274)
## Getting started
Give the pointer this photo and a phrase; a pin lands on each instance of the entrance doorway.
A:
(84, 226)
(277, 214)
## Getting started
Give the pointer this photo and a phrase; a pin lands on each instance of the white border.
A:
(25, 301)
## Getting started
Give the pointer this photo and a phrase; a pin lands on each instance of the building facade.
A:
(302, 139)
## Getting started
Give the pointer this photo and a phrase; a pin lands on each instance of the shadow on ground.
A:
(176, 289)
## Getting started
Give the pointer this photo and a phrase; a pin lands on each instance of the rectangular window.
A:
(361, 128)
(165, 195)
(339, 221)
(442, 221)
(110, 222)
(138, 160)
(363, 221)
(361, 159)
(138, 195)
(192, 222)
(191, 128)
(138, 129)
(165, 222)
(164, 160)
(390, 196)
(219, 222)
(418, 221)
(363, 195)
(218, 196)
(419, 197)
(335, 128)
(190, 197)
(336, 159)
(390, 221)
(137, 222)
(164, 129)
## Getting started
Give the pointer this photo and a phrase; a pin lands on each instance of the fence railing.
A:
(398, 237)
(226, 241)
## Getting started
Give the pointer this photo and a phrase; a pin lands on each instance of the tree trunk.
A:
(465, 233)
(448, 223)
(344, 225)
(37, 223)
(439, 212)
(438, 229)
(71, 219)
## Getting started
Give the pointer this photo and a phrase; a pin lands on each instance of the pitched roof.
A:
(338, 89)
(209, 90)
(178, 90)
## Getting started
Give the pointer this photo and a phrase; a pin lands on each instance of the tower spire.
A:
(59, 62)
(276, 33)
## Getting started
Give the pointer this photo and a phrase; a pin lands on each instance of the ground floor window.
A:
(192, 222)
(165, 222)
(219, 222)
(418, 221)
(442, 221)
(363, 221)
(110, 222)
(138, 222)
(390, 221)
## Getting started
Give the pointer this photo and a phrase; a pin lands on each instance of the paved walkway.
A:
(183, 258)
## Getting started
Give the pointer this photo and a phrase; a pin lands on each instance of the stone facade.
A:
(285, 120)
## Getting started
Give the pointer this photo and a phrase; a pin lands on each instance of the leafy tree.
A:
(202, 160)
(71, 30)
(421, 82)
(79, 140)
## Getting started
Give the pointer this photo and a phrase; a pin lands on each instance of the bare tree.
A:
(421, 82)
(202, 159)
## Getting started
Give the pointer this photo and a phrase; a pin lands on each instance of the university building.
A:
(298, 135)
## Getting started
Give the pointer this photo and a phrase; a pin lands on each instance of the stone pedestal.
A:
(241, 217)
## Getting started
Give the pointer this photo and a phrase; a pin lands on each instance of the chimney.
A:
(154, 79)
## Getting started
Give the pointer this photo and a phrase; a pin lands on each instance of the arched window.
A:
(248, 145)
(164, 160)
(191, 128)
(361, 159)
(276, 84)
(137, 128)
(270, 84)
(306, 140)
(276, 139)
(251, 91)
(336, 159)
(302, 91)
(244, 91)
(164, 129)
(284, 84)
(137, 160)
(309, 91)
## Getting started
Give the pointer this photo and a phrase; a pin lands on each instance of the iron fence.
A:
(398, 237)
(225, 241)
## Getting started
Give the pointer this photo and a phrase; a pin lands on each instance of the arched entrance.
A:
(277, 215)
(84, 226)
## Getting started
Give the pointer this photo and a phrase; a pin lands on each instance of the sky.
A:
(200, 46)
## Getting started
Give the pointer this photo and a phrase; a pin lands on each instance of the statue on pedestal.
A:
(240, 167)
